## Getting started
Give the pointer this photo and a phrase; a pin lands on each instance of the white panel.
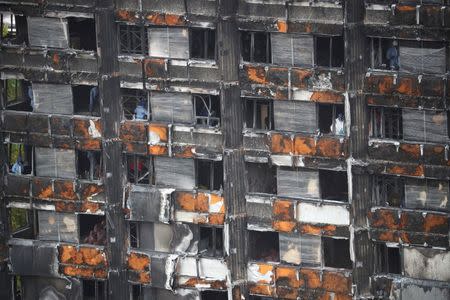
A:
(325, 214)
(158, 42)
(187, 266)
(298, 183)
(426, 264)
(52, 98)
(212, 269)
(179, 43)
(163, 236)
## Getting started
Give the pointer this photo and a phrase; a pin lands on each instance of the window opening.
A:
(258, 113)
(256, 47)
(136, 292)
(134, 234)
(17, 287)
(389, 190)
(94, 290)
(331, 119)
(333, 185)
(211, 241)
(89, 165)
(337, 253)
(386, 123)
(140, 169)
(389, 259)
(82, 34)
(18, 95)
(214, 295)
(86, 100)
(209, 175)
(133, 39)
(261, 178)
(23, 223)
(448, 124)
(92, 229)
(20, 159)
(207, 110)
(384, 54)
(329, 51)
(135, 104)
(14, 28)
(203, 43)
(264, 246)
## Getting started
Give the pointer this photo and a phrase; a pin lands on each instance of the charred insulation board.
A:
(52, 98)
(55, 162)
(422, 60)
(48, 32)
(172, 107)
(295, 116)
(175, 172)
(424, 126)
(144, 203)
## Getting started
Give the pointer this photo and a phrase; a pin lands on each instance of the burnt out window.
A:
(92, 229)
(261, 178)
(133, 39)
(329, 51)
(140, 169)
(17, 287)
(82, 34)
(258, 113)
(389, 190)
(133, 229)
(448, 124)
(135, 104)
(333, 185)
(86, 100)
(17, 95)
(211, 241)
(386, 122)
(383, 54)
(20, 159)
(389, 259)
(203, 43)
(94, 290)
(23, 223)
(255, 47)
(209, 175)
(89, 165)
(13, 28)
(332, 119)
(213, 295)
(336, 253)
(264, 246)
(136, 292)
(207, 110)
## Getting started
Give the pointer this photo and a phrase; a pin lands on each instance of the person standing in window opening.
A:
(17, 167)
(392, 56)
(93, 98)
(339, 125)
(30, 96)
(140, 111)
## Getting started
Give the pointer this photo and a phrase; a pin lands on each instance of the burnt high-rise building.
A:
(224, 149)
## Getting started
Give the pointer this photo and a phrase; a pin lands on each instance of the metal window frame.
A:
(252, 46)
(135, 176)
(135, 95)
(135, 39)
(207, 104)
(97, 288)
(32, 157)
(212, 247)
(389, 123)
(92, 165)
(258, 102)
(205, 32)
(137, 238)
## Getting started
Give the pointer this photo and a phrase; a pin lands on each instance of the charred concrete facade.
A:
(225, 149)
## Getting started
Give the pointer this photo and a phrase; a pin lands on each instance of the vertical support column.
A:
(355, 69)
(109, 87)
(233, 154)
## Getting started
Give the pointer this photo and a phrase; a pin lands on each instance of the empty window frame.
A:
(333, 185)
(213, 295)
(264, 246)
(336, 253)
(329, 51)
(211, 241)
(258, 113)
(388, 259)
(92, 229)
(89, 165)
(17, 94)
(20, 159)
(94, 290)
(386, 122)
(23, 223)
(133, 39)
(136, 292)
(261, 178)
(383, 54)
(331, 119)
(255, 47)
(209, 175)
(134, 231)
(388, 190)
(207, 110)
(82, 34)
(14, 28)
(203, 43)
(140, 169)
(135, 104)
(17, 287)
(86, 100)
